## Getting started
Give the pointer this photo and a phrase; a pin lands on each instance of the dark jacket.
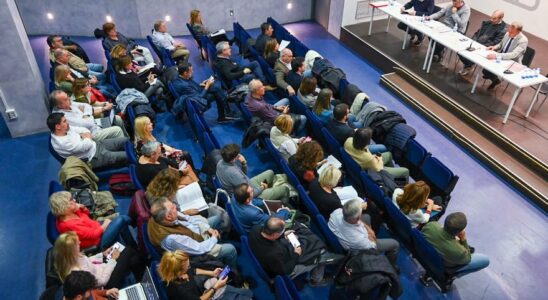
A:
(490, 34)
(294, 79)
(228, 68)
(349, 94)
(397, 138)
(424, 8)
(131, 80)
(340, 131)
(260, 43)
(383, 123)
(256, 129)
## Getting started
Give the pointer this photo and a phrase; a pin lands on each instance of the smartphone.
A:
(293, 240)
(224, 273)
(210, 78)
(183, 165)
(307, 139)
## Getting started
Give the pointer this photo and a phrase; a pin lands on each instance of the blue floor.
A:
(502, 223)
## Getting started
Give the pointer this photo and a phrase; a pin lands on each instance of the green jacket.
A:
(455, 253)
(77, 168)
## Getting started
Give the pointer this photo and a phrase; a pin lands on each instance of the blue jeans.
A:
(478, 262)
(377, 148)
(228, 255)
(118, 227)
(282, 102)
(214, 221)
(256, 72)
(97, 68)
(354, 122)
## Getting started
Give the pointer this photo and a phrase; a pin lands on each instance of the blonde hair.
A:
(270, 47)
(164, 184)
(116, 50)
(78, 86)
(284, 123)
(171, 265)
(194, 14)
(140, 126)
(59, 202)
(330, 177)
(60, 73)
(63, 254)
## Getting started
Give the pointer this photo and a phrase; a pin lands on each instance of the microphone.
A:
(507, 71)
(470, 48)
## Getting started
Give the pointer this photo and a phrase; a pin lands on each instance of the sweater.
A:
(89, 231)
(325, 202)
(286, 145)
(276, 257)
(100, 270)
(455, 253)
(364, 158)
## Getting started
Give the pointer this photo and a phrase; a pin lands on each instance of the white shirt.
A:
(351, 236)
(73, 144)
(163, 40)
(80, 117)
(416, 217)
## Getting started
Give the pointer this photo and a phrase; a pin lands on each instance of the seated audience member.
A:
(113, 38)
(62, 59)
(164, 40)
(306, 161)
(63, 78)
(358, 148)
(77, 141)
(354, 232)
(282, 68)
(278, 256)
(280, 138)
(322, 107)
(82, 93)
(72, 216)
(82, 115)
(456, 13)
(232, 172)
(450, 241)
(143, 128)
(119, 51)
(264, 37)
(151, 162)
(258, 107)
(179, 278)
(420, 8)
(307, 91)
(68, 258)
(196, 22)
(247, 213)
(209, 90)
(296, 74)
(75, 62)
(489, 34)
(166, 184)
(271, 53)
(511, 47)
(322, 191)
(168, 232)
(231, 70)
(412, 201)
(80, 285)
(127, 79)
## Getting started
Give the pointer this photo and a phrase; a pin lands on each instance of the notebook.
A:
(331, 160)
(145, 68)
(346, 193)
(191, 197)
(272, 205)
(106, 122)
(283, 45)
(145, 290)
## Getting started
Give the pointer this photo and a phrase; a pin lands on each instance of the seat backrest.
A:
(256, 265)
(173, 90)
(305, 198)
(438, 175)
(196, 38)
(427, 255)
(415, 153)
(208, 143)
(245, 112)
(291, 288)
(528, 56)
(130, 153)
(54, 187)
(158, 283)
(290, 175)
(267, 70)
(316, 125)
(134, 178)
(280, 289)
(114, 82)
(154, 254)
(297, 106)
(51, 228)
(235, 222)
(352, 167)
(54, 153)
(273, 151)
(400, 223)
(372, 190)
(333, 145)
(330, 237)
(154, 48)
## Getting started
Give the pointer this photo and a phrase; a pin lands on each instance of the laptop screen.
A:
(148, 286)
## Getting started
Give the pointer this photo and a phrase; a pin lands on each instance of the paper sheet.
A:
(191, 197)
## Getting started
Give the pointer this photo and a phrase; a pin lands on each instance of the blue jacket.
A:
(251, 215)
(424, 8)
(188, 87)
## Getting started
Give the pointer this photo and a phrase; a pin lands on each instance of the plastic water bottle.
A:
(537, 72)
(523, 74)
(455, 28)
(422, 19)
(391, 2)
(499, 58)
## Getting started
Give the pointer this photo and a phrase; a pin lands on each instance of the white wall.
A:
(533, 14)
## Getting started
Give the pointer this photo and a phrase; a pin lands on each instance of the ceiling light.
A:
(49, 16)
(108, 18)
(289, 5)
(167, 18)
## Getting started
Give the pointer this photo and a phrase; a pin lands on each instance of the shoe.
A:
(418, 42)
(324, 282)
(413, 36)
(465, 71)
(472, 249)
(226, 119)
(493, 84)
(436, 58)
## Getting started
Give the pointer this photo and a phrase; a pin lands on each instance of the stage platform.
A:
(515, 150)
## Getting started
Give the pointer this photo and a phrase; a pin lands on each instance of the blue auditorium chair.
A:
(332, 144)
(316, 125)
(284, 289)
(290, 175)
(353, 170)
(254, 262)
(134, 178)
(197, 40)
(246, 114)
(158, 283)
(307, 201)
(235, 222)
(330, 237)
(413, 157)
(399, 223)
(277, 156)
(163, 54)
(130, 153)
(431, 260)
(208, 143)
(372, 190)
(152, 251)
(297, 106)
(441, 179)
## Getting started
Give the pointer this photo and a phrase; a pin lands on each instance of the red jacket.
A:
(89, 231)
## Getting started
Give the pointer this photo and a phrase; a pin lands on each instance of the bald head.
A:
(514, 29)
(286, 55)
(497, 16)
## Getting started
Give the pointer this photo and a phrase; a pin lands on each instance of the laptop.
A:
(106, 121)
(145, 290)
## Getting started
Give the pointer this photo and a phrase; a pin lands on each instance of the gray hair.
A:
(159, 209)
(58, 52)
(53, 97)
(352, 210)
(221, 46)
(254, 85)
(285, 51)
(157, 24)
(149, 147)
(518, 26)
(59, 202)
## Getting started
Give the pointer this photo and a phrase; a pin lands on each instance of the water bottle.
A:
(391, 2)
(499, 58)
(523, 74)
(537, 72)
(422, 19)
(455, 28)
